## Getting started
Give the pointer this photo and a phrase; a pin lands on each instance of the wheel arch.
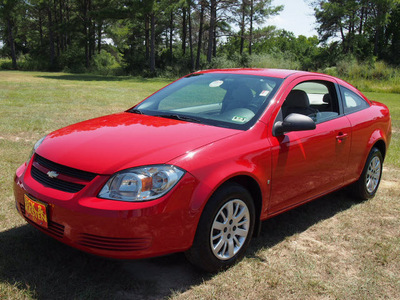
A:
(378, 140)
(380, 144)
(252, 186)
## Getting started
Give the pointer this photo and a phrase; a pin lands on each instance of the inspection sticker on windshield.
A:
(216, 83)
(239, 119)
(264, 93)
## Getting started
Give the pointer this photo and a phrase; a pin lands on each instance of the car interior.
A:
(314, 99)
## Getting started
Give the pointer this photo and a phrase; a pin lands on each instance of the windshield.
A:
(226, 100)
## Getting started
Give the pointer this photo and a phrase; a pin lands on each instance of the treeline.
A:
(178, 36)
(362, 28)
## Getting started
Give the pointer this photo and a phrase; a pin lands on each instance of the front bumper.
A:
(113, 228)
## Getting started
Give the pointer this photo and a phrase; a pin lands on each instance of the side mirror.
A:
(293, 122)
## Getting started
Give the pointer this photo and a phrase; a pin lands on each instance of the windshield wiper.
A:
(136, 111)
(179, 117)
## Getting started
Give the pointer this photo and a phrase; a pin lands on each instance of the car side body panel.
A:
(217, 163)
(366, 133)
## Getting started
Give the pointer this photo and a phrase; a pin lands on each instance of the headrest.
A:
(297, 98)
(327, 98)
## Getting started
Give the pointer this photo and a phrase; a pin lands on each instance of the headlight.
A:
(141, 184)
(38, 143)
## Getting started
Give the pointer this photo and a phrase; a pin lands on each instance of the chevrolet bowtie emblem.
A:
(52, 174)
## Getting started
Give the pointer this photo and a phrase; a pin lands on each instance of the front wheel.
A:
(367, 184)
(225, 229)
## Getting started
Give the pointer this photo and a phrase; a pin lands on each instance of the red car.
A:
(198, 165)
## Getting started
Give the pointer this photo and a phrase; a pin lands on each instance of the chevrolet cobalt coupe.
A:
(198, 165)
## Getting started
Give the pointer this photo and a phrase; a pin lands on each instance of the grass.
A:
(331, 248)
(393, 102)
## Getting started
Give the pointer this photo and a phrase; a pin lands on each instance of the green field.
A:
(332, 248)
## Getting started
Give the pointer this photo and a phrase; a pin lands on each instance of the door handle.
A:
(341, 137)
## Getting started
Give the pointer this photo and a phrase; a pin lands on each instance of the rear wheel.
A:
(225, 229)
(368, 183)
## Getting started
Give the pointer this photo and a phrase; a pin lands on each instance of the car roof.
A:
(278, 73)
(281, 73)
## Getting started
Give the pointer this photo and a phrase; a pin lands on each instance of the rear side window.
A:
(352, 102)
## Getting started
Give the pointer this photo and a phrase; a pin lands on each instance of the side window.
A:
(352, 101)
(317, 100)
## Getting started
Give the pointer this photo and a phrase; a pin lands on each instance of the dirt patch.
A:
(18, 138)
(389, 184)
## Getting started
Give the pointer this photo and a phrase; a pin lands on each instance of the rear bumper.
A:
(113, 228)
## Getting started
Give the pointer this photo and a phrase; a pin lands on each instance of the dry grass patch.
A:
(332, 248)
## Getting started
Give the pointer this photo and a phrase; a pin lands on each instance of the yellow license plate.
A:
(36, 211)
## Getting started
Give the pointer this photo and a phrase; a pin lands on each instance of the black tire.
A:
(367, 185)
(218, 243)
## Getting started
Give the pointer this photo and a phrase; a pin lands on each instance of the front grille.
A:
(55, 183)
(113, 244)
(88, 176)
(53, 229)
(41, 166)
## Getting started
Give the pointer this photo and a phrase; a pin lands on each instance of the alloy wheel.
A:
(230, 229)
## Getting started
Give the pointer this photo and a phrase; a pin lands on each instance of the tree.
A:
(252, 12)
(358, 23)
(200, 32)
(10, 10)
(393, 35)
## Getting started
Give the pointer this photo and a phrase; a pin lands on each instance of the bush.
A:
(73, 60)
(222, 62)
(28, 63)
(105, 63)
(25, 63)
(352, 69)
(275, 61)
(5, 64)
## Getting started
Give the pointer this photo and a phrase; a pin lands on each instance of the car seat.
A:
(297, 102)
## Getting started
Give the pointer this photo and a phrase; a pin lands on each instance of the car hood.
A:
(111, 143)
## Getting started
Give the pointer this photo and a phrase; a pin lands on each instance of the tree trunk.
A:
(40, 27)
(343, 40)
(378, 31)
(147, 36)
(56, 25)
(184, 30)
(51, 38)
(211, 30)
(215, 44)
(12, 44)
(99, 33)
(67, 18)
(60, 9)
(85, 32)
(171, 33)
(242, 27)
(92, 32)
(251, 26)
(360, 32)
(153, 44)
(190, 42)
(200, 35)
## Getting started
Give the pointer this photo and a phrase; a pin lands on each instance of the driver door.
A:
(307, 164)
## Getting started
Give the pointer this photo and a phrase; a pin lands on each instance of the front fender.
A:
(215, 164)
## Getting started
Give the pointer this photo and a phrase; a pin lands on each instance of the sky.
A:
(297, 17)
